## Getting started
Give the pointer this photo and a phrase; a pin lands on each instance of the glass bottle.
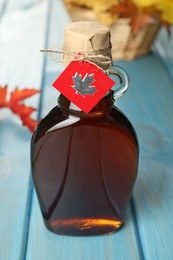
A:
(84, 166)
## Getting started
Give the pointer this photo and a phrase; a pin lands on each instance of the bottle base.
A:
(84, 227)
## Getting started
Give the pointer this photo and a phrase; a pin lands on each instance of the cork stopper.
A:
(91, 40)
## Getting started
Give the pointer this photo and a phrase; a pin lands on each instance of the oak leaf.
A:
(15, 105)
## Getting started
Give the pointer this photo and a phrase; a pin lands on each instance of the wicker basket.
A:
(125, 46)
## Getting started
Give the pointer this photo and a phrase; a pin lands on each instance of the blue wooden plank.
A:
(3, 5)
(149, 105)
(164, 48)
(18, 67)
(122, 245)
(15, 6)
(13, 186)
(46, 245)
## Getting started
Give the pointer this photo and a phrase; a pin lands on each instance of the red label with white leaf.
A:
(84, 84)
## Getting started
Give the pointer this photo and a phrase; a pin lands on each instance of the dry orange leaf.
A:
(138, 17)
(15, 105)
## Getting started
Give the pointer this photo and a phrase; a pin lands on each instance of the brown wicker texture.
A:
(125, 46)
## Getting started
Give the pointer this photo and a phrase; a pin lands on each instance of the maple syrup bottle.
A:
(84, 166)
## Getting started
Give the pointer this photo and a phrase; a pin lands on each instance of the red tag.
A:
(84, 84)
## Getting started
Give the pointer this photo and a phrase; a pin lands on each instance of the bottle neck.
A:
(103, 107)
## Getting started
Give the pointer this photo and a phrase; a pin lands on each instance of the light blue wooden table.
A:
(26, 26)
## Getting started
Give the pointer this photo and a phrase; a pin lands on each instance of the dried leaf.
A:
(139, 21)
(20, 94)
(23, 111)
(29, 122)
(138, 16)
(3, 94)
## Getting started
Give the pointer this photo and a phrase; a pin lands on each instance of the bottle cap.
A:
(89, 41)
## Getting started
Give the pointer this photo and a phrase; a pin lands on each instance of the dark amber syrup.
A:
(84, 168)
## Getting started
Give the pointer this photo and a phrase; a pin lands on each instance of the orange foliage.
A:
(15, 105)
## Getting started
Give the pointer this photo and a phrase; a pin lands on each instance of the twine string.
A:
(102, 56)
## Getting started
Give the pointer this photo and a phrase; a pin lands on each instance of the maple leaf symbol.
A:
(16, 107)
(82, 86)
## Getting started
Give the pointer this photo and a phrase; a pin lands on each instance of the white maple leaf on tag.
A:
(83, 86)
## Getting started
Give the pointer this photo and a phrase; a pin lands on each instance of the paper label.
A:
(84, 84)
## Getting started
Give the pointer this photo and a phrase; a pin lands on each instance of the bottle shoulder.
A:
(57, 119)
(54, 116)
(118, 116)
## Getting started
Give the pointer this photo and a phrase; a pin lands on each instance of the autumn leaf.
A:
(138, 16)
(15, 105)
(3, 94)
(138, 21)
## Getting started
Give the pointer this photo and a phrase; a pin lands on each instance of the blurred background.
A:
(142, 44)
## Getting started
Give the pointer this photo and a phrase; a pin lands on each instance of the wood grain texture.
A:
(43, 244)
(24, 30)
(149, 105)
(20, 64)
